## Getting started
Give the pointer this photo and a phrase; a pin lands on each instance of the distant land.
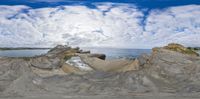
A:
(39, 48)
(22, 48)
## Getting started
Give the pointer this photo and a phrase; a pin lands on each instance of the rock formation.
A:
(175, 70)
(181, 49)
(166, 73)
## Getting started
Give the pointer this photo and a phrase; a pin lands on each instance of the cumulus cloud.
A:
(109, 25)
(175, 24)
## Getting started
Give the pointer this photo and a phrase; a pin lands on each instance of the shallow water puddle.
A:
(77, 62)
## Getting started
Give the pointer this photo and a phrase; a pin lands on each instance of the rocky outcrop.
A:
(165, 72)
(55, 58)
(15, 77)
(174, 70)
(181, 49)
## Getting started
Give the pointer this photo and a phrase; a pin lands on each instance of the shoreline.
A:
(164, 73)
(110, 53)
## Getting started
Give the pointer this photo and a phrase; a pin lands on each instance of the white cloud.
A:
(107, 26)
(176, 24)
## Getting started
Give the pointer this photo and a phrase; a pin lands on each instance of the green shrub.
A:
(67, 57)
(26, 58)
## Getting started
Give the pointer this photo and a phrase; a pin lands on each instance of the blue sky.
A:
(150, 4)
(99, 23)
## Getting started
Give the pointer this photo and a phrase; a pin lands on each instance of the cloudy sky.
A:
(99, 23)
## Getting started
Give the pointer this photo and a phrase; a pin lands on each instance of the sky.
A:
(99, 23)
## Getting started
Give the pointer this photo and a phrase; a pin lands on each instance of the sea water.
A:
(111, 53)
(22, 53)
(116, 53)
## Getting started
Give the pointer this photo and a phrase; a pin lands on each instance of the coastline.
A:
(165, 73)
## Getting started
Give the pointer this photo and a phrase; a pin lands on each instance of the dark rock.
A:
(100, 56)
(84, 52)
(77, 48)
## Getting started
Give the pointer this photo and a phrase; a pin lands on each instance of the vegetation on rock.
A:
(26, 58)
(67, 57)
(194, 48)
(181, 49)
(167, 71)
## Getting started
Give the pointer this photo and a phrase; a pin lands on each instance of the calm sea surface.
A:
(22, 53)
(111, 53)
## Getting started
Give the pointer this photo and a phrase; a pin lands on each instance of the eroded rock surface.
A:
(175, 71)
(165, 73)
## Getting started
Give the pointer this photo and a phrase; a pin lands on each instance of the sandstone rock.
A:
(143, 59)
(133, 66)
(46, 62)
(174, 69)
(16, 78)
(54, 59)
(70, 69)
(46, 72)
(111, 65)
(165, 72)
(57, 56)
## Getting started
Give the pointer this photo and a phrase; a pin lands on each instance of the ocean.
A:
(111, 53)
